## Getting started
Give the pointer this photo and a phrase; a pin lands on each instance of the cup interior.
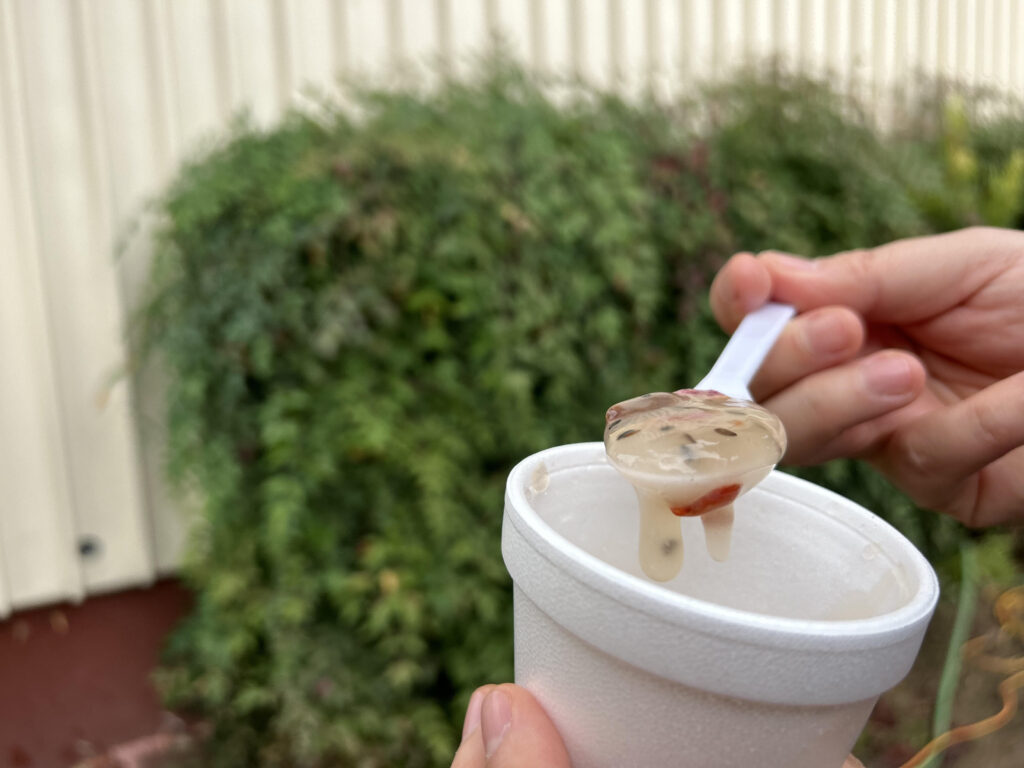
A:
(798, 552)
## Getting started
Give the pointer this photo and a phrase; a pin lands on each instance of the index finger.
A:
(903, 282)
(740, 287)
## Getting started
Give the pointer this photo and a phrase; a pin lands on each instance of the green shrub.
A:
(980, 176)
(368, 322)
(804, 170)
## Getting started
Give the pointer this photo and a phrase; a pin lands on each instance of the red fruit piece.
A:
(725, 494)
(699, 392)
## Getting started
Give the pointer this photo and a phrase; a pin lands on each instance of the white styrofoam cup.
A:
(774, 657)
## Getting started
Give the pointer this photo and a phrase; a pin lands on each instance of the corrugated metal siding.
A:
(99, 100)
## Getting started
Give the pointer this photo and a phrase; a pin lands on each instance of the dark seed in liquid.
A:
(667, 428)
(726, 432)
(668, 546)
(689, 438)
(627, 433)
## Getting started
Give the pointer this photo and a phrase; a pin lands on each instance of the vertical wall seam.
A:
(395, 33)
(961, 37)
(491, 18)
(1017, 51)
(224, 59)
(174, 82)
(778, 11)
(880, 45)
(340, 38)
(942, 53)
(575, 38)
(719, 31)
(855, 20)
(160, 65)
(616, 70)
(62, 463)
(805, 31)
(445, 53)
(687, 40)
(7, 137)
(981, 52)
(535, 26)
(1001, 30)
(652, 45)
(156, 33)
(922, 40)
(102, 205)
(284, 53)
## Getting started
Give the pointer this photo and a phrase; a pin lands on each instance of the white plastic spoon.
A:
(750, 344)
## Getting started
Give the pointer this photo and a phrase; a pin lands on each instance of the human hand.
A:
(910, 355)
(506, 727)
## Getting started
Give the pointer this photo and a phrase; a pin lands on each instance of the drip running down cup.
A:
(772, 657)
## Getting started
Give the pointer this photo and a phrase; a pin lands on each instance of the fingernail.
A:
(888, 374)
(826, 333)
(472, 721)
(497, 718)
(786, 261)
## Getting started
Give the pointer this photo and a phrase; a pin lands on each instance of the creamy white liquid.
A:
(718, 531)
(688, 454)
(661, 541)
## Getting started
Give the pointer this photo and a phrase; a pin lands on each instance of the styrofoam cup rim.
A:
(710, 618)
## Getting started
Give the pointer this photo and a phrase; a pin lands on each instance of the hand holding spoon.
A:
(693, 452)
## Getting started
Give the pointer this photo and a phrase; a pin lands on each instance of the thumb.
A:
(517, 732)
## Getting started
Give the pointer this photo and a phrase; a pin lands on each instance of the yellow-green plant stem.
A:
(966, 604)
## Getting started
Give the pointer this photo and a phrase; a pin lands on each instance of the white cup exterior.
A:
(753, 667)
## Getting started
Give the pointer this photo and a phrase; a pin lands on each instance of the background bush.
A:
(368, 322)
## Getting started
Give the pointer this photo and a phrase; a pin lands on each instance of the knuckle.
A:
(994, 242)
(861, 441)
(822, 415)
(982, 231)
(990, 430)
(828, 332)
(866, 268)
(862, 262)
(915, 460)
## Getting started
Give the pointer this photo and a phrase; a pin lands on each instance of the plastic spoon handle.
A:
(746, 350)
